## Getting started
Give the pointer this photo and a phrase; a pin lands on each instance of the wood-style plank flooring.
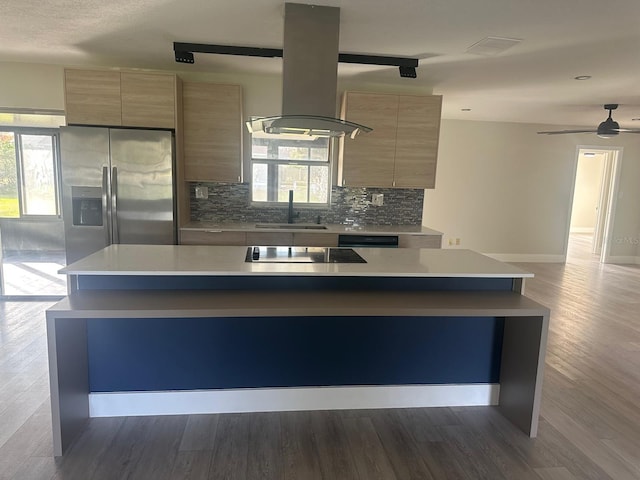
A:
(33, 273)
(589, 429)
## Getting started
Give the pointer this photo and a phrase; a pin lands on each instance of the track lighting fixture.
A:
(184, 54)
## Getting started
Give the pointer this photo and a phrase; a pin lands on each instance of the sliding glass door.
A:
(31, 230)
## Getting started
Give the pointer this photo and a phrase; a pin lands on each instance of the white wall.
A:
(502, 189)
(24, 85)
(586, 194)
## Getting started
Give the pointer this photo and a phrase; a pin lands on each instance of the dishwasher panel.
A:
(378, 241)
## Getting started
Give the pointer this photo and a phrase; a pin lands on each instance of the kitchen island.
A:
(151, 330)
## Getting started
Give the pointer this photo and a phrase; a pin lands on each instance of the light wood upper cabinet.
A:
(402, 149)
(148, 100)
(113, 98)
(368, 160)
(417, 141)
(212, 132)
(92, 97)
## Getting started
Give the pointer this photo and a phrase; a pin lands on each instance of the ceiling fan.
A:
(607, 129)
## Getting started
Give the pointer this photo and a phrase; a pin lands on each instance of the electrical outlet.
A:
(202, 192)
(377, 199)
(457, 241)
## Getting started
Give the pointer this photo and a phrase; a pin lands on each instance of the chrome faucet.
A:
(290, 216)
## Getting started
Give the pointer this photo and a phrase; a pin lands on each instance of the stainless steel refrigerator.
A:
(117, 187)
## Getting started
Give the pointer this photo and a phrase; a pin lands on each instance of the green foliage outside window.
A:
(9, 206)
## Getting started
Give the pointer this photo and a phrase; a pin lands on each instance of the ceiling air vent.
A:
(492, 46)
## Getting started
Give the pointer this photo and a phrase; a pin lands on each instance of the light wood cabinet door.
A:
(92, 97)
(212, 237)
(367, 161)
(420, 241)
(270, 238)
(417, 137)
(315, 239)
(402, 149)
(148, 100)
(212, 116)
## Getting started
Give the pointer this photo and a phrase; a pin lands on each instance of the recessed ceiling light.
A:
(635, 119)
(582, 77)
(465, 109)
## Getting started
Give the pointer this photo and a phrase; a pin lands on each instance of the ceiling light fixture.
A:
(408, 72)
(465, 109)
(184, 54)
(183, 57)
(582, 77)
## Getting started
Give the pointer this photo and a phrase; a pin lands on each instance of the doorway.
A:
(31, 228)
(593, 203)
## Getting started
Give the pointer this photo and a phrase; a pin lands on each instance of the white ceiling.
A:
(531, 82)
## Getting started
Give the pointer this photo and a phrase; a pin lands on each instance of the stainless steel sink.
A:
(293, 226)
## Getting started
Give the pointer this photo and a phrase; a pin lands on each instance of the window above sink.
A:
(282, 163)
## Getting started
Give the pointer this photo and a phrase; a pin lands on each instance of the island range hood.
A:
(310, 75)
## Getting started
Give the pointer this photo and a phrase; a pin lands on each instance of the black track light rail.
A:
(378, 60)
(181, 49)
(226, 50)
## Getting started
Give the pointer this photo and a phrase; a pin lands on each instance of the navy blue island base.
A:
(133, 334)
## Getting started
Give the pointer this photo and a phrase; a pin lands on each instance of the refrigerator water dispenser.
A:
(87, 206)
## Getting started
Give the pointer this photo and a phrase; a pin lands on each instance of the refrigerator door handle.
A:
(106, 210)
(114, 204)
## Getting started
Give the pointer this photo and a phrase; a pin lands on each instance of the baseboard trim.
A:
(118, 404)
(624, 260)
(527, 257)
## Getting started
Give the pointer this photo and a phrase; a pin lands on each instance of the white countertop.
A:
(331, 228)
(230, 260)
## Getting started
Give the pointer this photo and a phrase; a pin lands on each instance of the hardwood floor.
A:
(33, 273)
(590, 425)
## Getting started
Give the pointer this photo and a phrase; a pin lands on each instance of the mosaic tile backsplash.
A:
(232, 203)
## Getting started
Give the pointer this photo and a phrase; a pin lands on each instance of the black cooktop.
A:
(302, 255)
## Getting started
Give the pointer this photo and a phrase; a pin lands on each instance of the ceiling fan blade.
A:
(607, 129)
(560, 132)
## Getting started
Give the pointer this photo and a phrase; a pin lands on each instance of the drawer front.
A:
(315, 239)
(269, 238)
(213, 237)
(420, 241)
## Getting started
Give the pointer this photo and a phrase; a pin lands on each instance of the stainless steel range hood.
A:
(310, 75)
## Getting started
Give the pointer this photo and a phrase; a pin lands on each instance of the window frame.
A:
(272, 178)
(54, 133)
